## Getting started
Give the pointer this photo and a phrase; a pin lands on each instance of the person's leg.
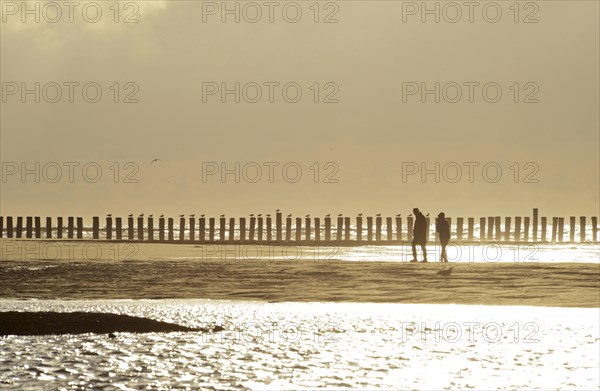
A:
(423, 247)
(444, 257)
(414, 251)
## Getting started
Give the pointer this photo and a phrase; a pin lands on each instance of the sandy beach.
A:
(152, 274)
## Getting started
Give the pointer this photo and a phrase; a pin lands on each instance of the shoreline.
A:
(526, 284)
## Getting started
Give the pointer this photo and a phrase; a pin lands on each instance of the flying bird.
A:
(155, 160)
(445, 272)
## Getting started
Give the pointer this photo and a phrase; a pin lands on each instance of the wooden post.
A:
(70, 227)
(544, 223)
(9, 227)
(399, 228)
(389, 228)
(490, 228)
(211, 229)
(37, 221)
(278, 226)
(526, 229)
(29, 227)
(369, 229)
(582, 228)
(535, 225)
(181, 228)
(298, 229)
(497, 228)
(482, 229)
(307, 229)
(346, 228)
(140, 228)
(80, 228)
(192, 228)
(161, 229)
(409, 228)
(1, 226)
(340, 227)
(151, 228)
(222, 222)
(109, 228)
(561, 227)
(517, 229)
(260, 229)
(269, 229)
(594, 229)
(327, 229)
(119, 229)
(359, 228)
(95, 227)
(242, 229)
(317, 229)
(459, 229)
(19, 229)
(170, 229)
(202, 229)
(470, 228)
(554, 229)
(572, 222)
(288, 229)
(252, 228)
(231, 228)
(130, 228)
(507, 229)
(48, 227)
(59, 227)
(378, 222)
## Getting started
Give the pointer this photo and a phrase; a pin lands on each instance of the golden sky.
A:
(376, 51)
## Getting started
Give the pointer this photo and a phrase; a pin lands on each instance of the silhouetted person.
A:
(419, 235)
(443, 229)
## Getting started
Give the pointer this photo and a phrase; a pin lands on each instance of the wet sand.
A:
(529, 284)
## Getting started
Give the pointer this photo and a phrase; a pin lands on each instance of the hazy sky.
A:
(370, 56)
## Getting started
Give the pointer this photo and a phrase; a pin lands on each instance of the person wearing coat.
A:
(443, 229)
(419, 235)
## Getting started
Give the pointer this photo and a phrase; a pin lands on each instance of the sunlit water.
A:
(308, 345)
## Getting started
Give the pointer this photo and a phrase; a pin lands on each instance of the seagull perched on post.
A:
(193, 215)
(259, 215)
(251, 214)
(108, 215)
(307, 216)
(399, 214)
(410, 215)
(161, 216)
(142, 215)
(427, 215)
(328, 215)
(149, 215)
(277, 210)
(181, 215)
(131, 215)
(378, 215)
(268, 215)
(339, 215)
(289, 215)
(222, 216)
(360, 215)
(202, 215)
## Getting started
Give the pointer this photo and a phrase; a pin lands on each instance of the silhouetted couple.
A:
(420, 235)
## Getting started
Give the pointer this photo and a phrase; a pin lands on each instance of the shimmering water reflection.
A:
(309, 345)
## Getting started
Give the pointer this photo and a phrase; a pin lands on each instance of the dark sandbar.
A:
(45, 323)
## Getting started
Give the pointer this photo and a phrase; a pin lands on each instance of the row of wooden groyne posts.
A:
(307, 230)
